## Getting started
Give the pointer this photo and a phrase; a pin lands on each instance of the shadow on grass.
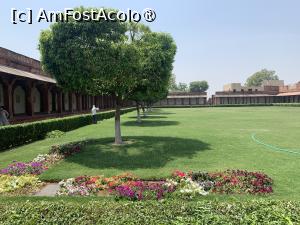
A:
(149, 117)
(144, 152)
(157, 111)
(151, 123)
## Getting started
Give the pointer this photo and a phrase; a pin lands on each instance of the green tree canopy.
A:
(182, 87)
(199, 86)
(92, 57)
(257, 78)
(172, 83)
(157, 56)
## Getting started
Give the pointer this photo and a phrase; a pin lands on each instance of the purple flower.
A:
(125, 191)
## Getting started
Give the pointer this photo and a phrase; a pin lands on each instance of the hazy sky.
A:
(218, 41)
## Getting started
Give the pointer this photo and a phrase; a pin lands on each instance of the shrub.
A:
(150, 212)
(67, 149)
(16, 135)
(55, 134)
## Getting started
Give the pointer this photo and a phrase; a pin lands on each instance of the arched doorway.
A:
(19, 100)
(36, 100)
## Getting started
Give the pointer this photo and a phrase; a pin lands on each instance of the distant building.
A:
(27, 93)
(272, 91)
(184, 99)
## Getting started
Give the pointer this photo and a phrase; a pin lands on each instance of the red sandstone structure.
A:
(27, 93)
(268, 92)
(184, 99)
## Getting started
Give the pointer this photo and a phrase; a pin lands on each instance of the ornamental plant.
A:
(10, 184)
(48, 159)
(67, 149)
(235, 182)
(21, 168)
(144, 190)
(86, 185)
(186, 187)
(37, 166)
(55, 134)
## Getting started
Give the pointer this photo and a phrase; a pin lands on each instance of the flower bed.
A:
(15, 185)
(184, 185)
(92, 185)
(235, 182)
(35, 167)
(43, 161)
(144, 190)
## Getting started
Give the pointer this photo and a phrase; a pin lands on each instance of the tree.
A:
(257, 78)
(157, 56)
(182, 87)
(172, 83)
(199, 86)
(92, 57)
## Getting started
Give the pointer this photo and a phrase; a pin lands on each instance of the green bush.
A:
(67, 149)
(150, 212)
(287, 104)
(55, 134)
(16, 135)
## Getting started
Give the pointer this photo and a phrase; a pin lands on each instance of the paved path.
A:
(49, 190)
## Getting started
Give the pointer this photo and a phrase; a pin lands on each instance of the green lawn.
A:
(206, 139)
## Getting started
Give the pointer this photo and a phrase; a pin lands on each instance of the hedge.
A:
(16, 135)
(150, 212)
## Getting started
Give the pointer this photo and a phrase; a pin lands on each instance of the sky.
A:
(218, 41)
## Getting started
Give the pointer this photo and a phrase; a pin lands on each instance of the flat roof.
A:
(187, 96)
(247, 95)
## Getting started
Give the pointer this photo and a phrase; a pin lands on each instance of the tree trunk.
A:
(118, 137)
(138, 113)
(144, 112)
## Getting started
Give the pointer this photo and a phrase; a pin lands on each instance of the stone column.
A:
(79, 103)
(70, 101)
(59, 101)
(45, 97)
(29, 98)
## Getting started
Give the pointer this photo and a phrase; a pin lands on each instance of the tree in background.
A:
(257, 78)
(182, 87)
(172, 83)
(93, 57)
(199, 86)
(157, 56)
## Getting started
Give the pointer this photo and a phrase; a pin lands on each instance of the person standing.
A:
(94, 114)
(4, 115)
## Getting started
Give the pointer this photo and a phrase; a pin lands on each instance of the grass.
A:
(206, 139)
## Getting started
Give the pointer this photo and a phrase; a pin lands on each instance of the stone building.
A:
(27, 93)
(184, 99)
(273, 91)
